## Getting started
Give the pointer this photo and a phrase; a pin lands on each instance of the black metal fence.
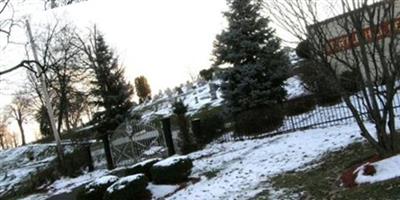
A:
(320, 116)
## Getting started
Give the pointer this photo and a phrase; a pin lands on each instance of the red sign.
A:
(346, 42)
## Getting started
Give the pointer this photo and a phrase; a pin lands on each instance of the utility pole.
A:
(50, 112)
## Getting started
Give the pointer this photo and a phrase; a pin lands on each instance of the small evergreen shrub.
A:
(211, 126)
(185, 143)
(130, 188)
(96, 189)
(172, 170)
(258, 121)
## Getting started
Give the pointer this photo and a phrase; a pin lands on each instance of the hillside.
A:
(199, 96)
(20, 167)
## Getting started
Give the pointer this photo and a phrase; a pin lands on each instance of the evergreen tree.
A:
(258, 67)
(186, 143)
(143, 89)
(112, 91)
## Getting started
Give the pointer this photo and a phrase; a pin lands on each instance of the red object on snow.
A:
(348, 178)
(369, 170)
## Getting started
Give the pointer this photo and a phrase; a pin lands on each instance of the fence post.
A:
(107, 151)
(196, 129)
(166, 123)
(89, 158)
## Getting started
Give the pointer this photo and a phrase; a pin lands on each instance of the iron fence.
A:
(319, 117)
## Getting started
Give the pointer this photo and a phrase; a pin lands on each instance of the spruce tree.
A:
(257, 66)
(112, 92)
(249, 46)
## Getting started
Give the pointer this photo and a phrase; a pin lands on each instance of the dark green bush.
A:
(299, 105)
(172, 170)
(258, 121)
(313, 76)
(211, 125)
(96, 189)
(129, 188)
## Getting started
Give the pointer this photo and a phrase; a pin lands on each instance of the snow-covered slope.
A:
(18, 165)
(199, 96)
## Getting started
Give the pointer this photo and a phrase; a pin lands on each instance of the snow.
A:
(121, 183)
(385, 169)
(154, 150)
(16, 168)
(170, 161)
(160, 191)
(66, 185)
(199, 97)
(295, 88)
(103, 181)
(242, 167)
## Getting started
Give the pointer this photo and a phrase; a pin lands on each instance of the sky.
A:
(166, 41)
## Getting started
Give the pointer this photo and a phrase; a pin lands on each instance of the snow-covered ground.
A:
(241, 169)
(385, 169)
(18, 165)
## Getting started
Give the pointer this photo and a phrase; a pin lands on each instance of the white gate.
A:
(133, 142)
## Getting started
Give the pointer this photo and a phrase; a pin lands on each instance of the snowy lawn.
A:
(239, 170)
(236, 170)
(19, 165)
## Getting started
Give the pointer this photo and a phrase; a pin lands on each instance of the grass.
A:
(322, 182)
(211, 174)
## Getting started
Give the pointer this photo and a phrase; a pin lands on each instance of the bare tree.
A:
(8, 139)
(362, 38)
(50, 4)
(20, 111)
(65, 75)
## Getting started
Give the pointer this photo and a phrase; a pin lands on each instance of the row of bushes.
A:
(132, 182)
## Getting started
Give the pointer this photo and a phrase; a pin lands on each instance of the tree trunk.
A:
(22, 132)
(107, 151)
(1, 142)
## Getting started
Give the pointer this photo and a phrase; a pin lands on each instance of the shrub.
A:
(130, 187)
(316, 82)
(350, 81)
(257, 121)
(96, 189)
(210, 126)
(139, 168)
(299, 105)
(185, 143)
(172, 170)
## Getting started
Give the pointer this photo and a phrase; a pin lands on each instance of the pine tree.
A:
(143, 89)
(112, 91)
(258, 67)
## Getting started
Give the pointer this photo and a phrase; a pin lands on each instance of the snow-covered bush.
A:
(172, 170)
(139, 168)
(130, 187)
(96, 189)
